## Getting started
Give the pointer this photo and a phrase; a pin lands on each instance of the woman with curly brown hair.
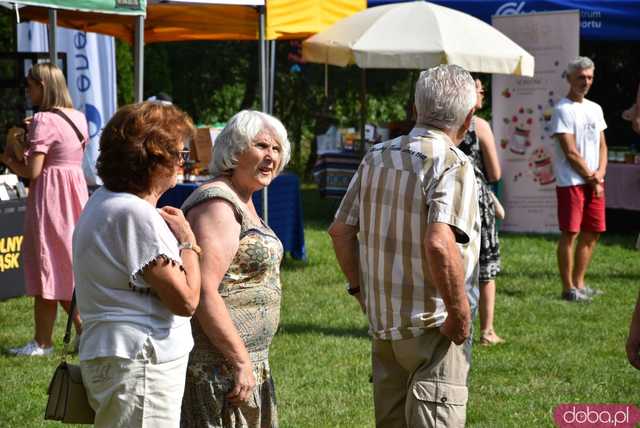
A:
(137, 272)
(52, 162)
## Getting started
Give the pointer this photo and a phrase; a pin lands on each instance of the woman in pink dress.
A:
(57, 193)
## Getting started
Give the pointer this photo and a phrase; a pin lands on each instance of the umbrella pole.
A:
(326, 80)
(53, 24)
(263, 96)
(138, 48)
(272, 74)
(363, 107)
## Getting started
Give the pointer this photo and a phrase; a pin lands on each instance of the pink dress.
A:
(56, 198)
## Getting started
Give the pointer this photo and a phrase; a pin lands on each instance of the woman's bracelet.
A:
(190, 246)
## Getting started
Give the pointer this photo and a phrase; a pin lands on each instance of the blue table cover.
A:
(285, 210)
(333, 172)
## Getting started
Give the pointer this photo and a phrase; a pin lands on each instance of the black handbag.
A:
(68, 401)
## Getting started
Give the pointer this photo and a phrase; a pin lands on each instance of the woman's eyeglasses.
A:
(183, 156)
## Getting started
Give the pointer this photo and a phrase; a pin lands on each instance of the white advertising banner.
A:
(91, 77)
(522, 109)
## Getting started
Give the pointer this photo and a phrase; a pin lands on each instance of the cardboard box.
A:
(201, 148)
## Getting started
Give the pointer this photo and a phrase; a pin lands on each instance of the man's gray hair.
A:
(239, 134)
(580, 63)
(444, 96)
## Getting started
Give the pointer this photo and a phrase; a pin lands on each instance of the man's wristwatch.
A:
(190, 246)
(352, 290)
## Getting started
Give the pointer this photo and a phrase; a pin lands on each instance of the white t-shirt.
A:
(117, 235)
(584, 121)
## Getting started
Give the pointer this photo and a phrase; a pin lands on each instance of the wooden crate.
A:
(201, 148)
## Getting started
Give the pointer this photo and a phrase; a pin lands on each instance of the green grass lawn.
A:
(556, 352)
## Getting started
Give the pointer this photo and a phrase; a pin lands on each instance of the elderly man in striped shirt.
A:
(406, 236)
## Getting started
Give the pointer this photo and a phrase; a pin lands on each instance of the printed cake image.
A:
(521, 123)
(547, 114)
(519, 140)
(541, 167)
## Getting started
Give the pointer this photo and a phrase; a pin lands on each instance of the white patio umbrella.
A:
(417, 35)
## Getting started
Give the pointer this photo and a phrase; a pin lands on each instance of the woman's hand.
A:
(7, 157)
(178, 224)
(178, 289)
(244, 383)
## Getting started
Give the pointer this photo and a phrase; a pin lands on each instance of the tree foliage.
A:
(214, 80)
(124, 71)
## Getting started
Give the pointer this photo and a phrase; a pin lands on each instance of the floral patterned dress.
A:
(489, 243)
(251, 290)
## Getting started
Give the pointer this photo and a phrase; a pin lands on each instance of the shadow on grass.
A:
(535, 274)
(553, 274)
(290, 264)
(303, 329)
(620, 239)
(318, 211)
(512, 292)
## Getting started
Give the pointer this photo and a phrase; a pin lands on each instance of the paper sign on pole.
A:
(91, 78)
(522, 109)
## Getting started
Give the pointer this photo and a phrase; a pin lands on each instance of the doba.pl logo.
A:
(596, 415)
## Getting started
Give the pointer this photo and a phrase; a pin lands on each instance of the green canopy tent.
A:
(136, 9)
(122, 7)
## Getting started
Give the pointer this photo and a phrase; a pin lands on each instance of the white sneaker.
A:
(589, 292)
(31, 349)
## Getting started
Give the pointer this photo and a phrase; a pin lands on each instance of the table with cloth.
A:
(333, 172)
(622, 190)
(622, 186)
(285, 210)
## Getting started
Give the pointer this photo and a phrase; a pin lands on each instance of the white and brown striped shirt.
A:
(401, 186)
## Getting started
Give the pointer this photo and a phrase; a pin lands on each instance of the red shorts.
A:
(579, 209)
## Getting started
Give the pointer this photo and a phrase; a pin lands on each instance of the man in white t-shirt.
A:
(580, 164)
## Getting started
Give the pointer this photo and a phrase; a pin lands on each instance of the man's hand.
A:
(457, 327)
(598, 177)
(244, 383)
(446, 272)
(598, 190)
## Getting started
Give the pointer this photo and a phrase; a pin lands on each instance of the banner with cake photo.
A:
(522, 109)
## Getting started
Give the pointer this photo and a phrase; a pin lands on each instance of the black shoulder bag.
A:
(70, 122)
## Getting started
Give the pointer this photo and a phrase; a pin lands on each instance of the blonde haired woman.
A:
(56, 138)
